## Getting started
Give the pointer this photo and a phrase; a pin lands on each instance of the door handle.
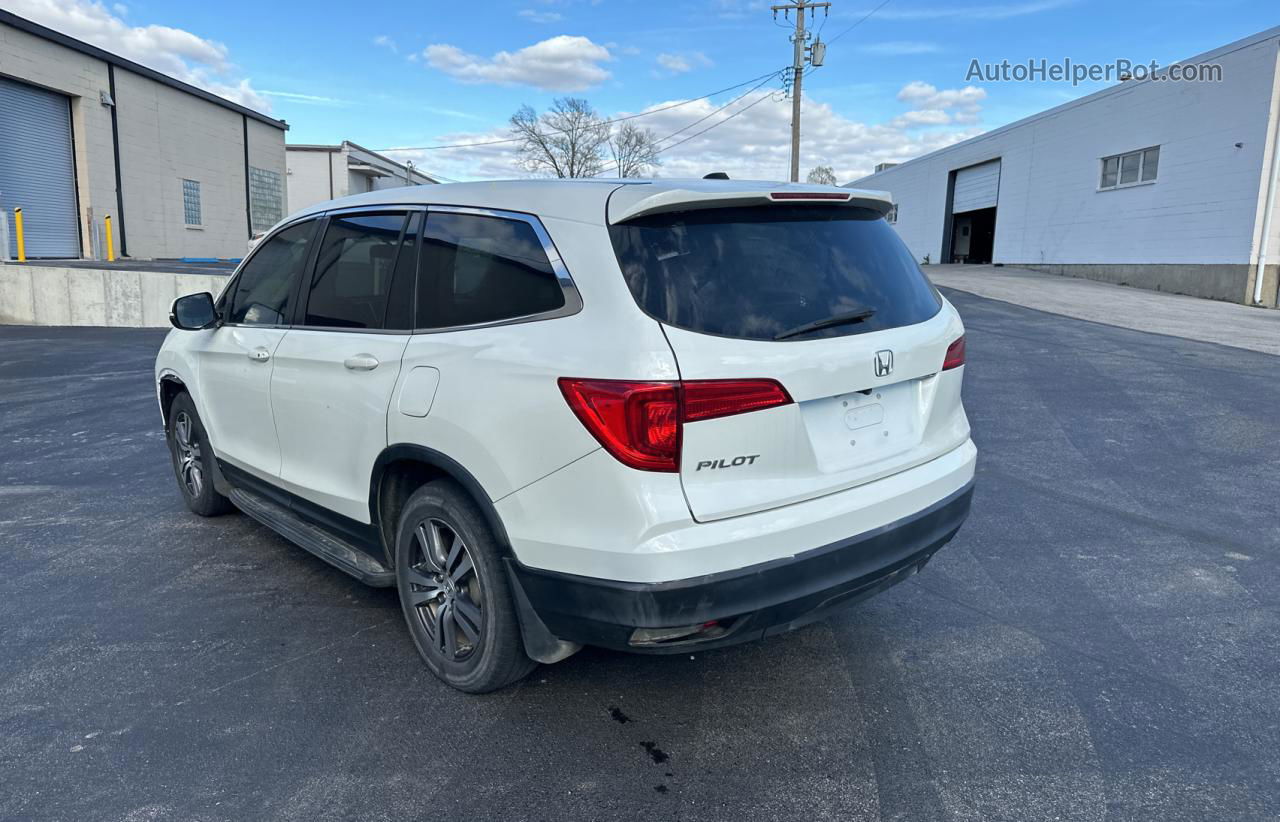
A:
(259, 354)
(361, 362)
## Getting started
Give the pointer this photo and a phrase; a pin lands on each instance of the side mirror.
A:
(194, 312)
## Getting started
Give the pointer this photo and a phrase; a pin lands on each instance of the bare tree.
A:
(822, 175)
(567, 141)
(634, 150)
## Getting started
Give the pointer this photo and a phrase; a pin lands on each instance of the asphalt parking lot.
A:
(1100, 642)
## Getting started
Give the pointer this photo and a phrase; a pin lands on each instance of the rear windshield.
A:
(757, 273)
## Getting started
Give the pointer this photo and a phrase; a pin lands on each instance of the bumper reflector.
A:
(648, 637)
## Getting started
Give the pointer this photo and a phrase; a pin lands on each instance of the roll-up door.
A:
(37, 173)
(976, 187)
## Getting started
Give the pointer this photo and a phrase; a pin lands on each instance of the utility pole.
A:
(799, 39)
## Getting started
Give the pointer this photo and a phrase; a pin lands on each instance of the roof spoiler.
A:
(687, 200)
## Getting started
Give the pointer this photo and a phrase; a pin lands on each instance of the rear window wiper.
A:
(848, 318)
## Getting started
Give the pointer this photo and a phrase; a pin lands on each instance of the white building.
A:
(85, 134)
(1162, 184)
(318, 173)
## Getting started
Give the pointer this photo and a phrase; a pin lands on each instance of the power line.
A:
(742, 110)
(717, 111)
(603, 123)
(864, 19)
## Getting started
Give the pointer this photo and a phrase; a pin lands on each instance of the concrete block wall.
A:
(266, 151)
(59, 295)
(165, 135)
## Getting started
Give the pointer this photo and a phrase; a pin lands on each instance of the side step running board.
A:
(318, 541)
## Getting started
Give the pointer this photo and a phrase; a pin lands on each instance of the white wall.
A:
(310, 169)
(1269, 189)
(1203, 208)
(359, 183)
(309, 177)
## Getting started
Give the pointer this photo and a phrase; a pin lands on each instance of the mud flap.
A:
(539, 643)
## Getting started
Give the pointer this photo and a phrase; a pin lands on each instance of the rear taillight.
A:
(640, 423)
(955, 355)
(637, 422)
(708, 399)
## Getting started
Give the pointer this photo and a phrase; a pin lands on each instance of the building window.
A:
(1130, 169)
(891, 216)
(191, 202)
(266, 198)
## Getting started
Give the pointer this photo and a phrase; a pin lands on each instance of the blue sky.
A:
(394, 74)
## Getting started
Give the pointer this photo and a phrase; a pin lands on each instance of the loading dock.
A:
(37, 172)
(969, 235)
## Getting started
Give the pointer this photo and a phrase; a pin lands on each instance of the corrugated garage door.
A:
(976, 187)
(37, 173)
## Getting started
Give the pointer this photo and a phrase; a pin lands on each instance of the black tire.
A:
(192, 459)
(454, 592)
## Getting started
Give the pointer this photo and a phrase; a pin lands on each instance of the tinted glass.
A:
(1150, 163)
(1129, 167)
(483, 269)
(1110, 171)
(266, 283)
(354, 270)
(400, 303)
(754, 273)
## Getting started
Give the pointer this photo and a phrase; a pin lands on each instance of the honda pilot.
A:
(653, 416)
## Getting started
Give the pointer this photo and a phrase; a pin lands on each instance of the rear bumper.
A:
(749, 603)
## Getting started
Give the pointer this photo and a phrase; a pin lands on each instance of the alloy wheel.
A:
(444, 590)
(190, 468)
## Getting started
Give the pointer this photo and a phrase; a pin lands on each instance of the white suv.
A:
(654, 416)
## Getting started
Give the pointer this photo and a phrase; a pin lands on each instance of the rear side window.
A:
(478, 269)
(266, 283)
(354, 271)
(757, 273)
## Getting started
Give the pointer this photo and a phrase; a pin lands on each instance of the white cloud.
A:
(561, 63)
(383, 41)
(681, 63)
(176, 52)
(305, 98)
(893, 48)
(535, 16)
(933, 107)
(754, 145)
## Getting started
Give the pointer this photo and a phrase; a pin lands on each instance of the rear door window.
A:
(267, 281)
(355, 269)
(758, 273)
(479, 269)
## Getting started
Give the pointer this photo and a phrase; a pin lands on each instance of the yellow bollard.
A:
(111, 246)
(22, 242)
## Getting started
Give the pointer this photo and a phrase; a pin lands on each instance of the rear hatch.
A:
(747, 288)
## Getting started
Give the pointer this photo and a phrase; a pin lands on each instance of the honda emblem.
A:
(884, 363)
